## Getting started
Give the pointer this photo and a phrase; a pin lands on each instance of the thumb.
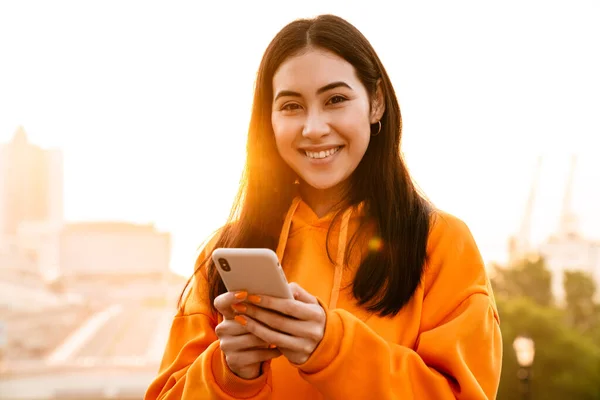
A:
(302, 295)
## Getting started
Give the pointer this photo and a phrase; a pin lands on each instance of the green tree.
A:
(580, 289)
(594, 332)
(566, 365)
(528, 278)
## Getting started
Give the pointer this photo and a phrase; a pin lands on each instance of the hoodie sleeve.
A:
(193, 366)
(459, 349)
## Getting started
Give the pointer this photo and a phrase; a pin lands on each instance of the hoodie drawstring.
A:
(339, 261)
(285, 230)
(341, 251)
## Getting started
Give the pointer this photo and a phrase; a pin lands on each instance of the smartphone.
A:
(256, 271)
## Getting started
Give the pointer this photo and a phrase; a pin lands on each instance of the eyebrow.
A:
(321, 90)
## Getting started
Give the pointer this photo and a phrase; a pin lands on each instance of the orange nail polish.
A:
(241, 308)
(272, 346)
(254, 299)
(241, 295)
(240, 320)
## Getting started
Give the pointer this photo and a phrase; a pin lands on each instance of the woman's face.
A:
(321, 117)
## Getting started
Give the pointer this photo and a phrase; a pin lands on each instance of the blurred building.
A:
(32, 225)
(571, 252)
(31, 187)
(90, 250)
(31, 184)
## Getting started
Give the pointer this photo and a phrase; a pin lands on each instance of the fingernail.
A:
(240, 320)
(241, 308)
(272, 346)
(254, 299)
(241, 295)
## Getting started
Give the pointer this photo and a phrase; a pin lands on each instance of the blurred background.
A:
(122, 132)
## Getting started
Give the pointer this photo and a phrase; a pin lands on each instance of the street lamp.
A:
(525, 350)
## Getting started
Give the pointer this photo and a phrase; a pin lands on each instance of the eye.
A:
(290, 107)
(337, 99)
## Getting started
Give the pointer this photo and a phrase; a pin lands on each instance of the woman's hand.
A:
(296, 326)
(244, 352)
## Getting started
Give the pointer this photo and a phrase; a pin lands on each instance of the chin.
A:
(322, 184)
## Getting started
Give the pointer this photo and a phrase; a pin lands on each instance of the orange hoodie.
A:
(444, 344)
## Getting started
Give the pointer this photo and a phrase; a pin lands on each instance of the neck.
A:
(322, 201)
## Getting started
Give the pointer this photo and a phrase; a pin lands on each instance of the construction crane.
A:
(568, 223)
(520, 244)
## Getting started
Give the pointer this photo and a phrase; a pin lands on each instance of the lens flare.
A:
(375, 244)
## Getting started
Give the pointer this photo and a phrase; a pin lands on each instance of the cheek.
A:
(363, 141)
(357, 132)
(355, 122)
(359, 147)
(285, 132)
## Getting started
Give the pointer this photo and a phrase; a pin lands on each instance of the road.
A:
(114, 353)
(82, 384)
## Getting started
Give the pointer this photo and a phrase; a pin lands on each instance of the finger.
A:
(241, 359)
(279, 339)
(229, 328)
(290, 307)
(224, 302)
(244, 342)
(302, 295)
(312, 330)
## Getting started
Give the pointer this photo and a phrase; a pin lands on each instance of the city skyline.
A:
(536, 242)
(152, 122)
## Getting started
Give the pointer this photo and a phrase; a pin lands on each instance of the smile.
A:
(319, 155)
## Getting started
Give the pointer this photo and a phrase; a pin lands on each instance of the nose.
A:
(316, 126)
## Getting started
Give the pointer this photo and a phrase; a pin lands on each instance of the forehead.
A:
(313, 69)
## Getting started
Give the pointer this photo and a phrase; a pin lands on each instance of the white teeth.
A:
(321, 154)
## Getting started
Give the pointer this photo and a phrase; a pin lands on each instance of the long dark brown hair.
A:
(386, 279)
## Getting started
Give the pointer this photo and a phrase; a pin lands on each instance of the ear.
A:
(377, 104)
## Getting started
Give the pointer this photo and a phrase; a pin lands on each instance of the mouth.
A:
(320, 155)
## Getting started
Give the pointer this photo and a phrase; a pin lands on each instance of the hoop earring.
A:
(378, 130)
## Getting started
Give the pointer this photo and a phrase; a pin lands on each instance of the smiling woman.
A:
(390, 295)
(321, 121)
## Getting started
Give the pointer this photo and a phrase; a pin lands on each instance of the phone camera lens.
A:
(224, 264)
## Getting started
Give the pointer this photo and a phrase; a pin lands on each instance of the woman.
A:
(391, 298)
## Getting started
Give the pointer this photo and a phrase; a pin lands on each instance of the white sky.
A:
(150, 102)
